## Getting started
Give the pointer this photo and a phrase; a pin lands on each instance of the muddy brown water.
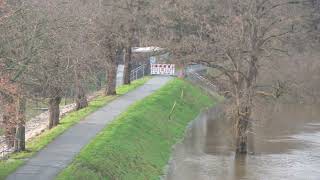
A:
(285, 142)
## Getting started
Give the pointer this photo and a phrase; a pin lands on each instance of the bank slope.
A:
(138, 144)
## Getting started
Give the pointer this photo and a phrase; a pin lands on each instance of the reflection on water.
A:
(286, 145)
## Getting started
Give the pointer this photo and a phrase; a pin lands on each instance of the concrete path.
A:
(46, 164)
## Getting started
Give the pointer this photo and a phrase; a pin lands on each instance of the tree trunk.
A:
(243, 115)
(81, 99)
(19, 142)
(127, 66)
(54, 111)
(242, 134)
(111, 79)
(244, 107)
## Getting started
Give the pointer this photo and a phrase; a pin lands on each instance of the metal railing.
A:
(138, 73)
(204, 80)
(192, 73)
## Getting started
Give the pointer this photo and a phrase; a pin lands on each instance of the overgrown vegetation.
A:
(36, 144)
(138, 144)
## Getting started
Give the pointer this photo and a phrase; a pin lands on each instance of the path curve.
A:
(51, 160)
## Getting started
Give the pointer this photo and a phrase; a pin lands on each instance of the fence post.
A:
(143, 70)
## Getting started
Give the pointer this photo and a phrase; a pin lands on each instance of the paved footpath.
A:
(46, 164)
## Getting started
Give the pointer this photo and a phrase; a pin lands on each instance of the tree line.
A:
(49, 48)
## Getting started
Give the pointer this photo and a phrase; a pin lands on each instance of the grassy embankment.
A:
(138, 144)
(39, 142)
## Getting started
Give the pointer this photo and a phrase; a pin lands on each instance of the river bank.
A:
(139, 143)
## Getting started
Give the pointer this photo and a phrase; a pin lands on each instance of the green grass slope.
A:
(138, 144)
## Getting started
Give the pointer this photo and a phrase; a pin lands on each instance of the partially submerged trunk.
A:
(127, 66)
(244, 105)
(111, 79)
(54, 111)
(19, 141)
(243, 110)
(242, 125)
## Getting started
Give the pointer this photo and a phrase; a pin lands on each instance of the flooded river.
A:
(285, 144)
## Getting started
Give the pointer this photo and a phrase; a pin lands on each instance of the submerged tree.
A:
(235, 38)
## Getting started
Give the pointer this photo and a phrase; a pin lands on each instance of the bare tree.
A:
(82, 48)
(17, 49)
(131, 18)
(235, 38)
(46, 57)
(110, 39)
